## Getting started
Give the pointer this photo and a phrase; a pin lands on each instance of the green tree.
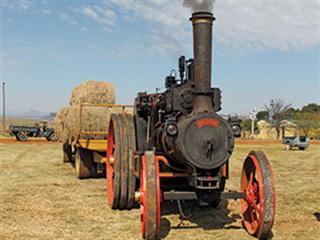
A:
(246, 126)
(277, 111)
(311, 108)
(262, 115)
(307, 121)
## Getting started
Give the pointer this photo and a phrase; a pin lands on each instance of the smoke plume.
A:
(199, 5)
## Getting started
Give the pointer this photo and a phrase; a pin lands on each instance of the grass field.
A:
(40, 198)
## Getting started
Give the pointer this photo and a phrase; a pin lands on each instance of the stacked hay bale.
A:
(93, 118)
(60, 124)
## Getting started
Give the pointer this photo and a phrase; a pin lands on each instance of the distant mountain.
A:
(32, 114)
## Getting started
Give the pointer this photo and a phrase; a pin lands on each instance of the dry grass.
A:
(40, 198)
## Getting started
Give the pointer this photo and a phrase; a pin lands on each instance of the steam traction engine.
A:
(176, 147)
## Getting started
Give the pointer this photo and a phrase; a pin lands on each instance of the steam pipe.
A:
(202, 48)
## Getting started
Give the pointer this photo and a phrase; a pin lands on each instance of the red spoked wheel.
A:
(150, 196)
(113, 163)
(258, 208)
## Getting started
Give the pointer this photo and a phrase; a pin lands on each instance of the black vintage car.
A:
(234, 122)
(39, 130)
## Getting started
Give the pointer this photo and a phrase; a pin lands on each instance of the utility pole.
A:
(3, 107)
(252, 115)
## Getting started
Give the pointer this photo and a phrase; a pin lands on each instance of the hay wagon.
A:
(88, 152)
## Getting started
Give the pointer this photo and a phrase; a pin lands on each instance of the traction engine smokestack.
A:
(202, 47)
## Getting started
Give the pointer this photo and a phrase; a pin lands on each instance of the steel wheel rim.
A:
(143, 199)
(124, 153)
(258, 208)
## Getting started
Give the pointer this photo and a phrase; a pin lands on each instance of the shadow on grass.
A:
(317, 215)
(199, 217)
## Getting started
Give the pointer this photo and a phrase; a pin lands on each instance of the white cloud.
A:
(263, 25)
(101, 14)
(168, 20)
(84, 29)
(16, 4)
(45, 11)
(89, 12)
(11, 63)
(68, 19)
(242, 26)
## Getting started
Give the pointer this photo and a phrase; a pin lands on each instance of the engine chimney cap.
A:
(202, 15)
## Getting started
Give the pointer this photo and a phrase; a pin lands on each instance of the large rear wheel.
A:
(130, 153)
(150, 197)
(124, 147)
(258, 208)
(114, 162)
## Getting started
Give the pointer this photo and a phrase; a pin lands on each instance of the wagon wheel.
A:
(131, 159)
(258, 208)
(124, 169)
(67, 152)
(150, 196)
(51, 137)
(113, 162)
(82, 164)
(22, 136)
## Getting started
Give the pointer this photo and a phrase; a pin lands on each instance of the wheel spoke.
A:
(251, 179)
(255, 206)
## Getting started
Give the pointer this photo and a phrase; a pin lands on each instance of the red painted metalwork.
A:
(257, 182)
(145, 216)
(208, 122)
(110, 167)
(143, 203)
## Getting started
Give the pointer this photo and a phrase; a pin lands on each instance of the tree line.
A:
(305, 118)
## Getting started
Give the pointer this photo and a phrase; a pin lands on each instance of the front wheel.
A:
(22, 136)
(150, 199)
(258, 208)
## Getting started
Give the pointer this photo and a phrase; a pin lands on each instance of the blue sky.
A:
(262, 50)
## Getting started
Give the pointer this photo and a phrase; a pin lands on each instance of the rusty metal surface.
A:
(124, 161)
(131, 160)
(202, 48)
(151, 197)
(117, 164)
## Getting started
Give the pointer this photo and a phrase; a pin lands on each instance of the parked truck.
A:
(39, 130)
